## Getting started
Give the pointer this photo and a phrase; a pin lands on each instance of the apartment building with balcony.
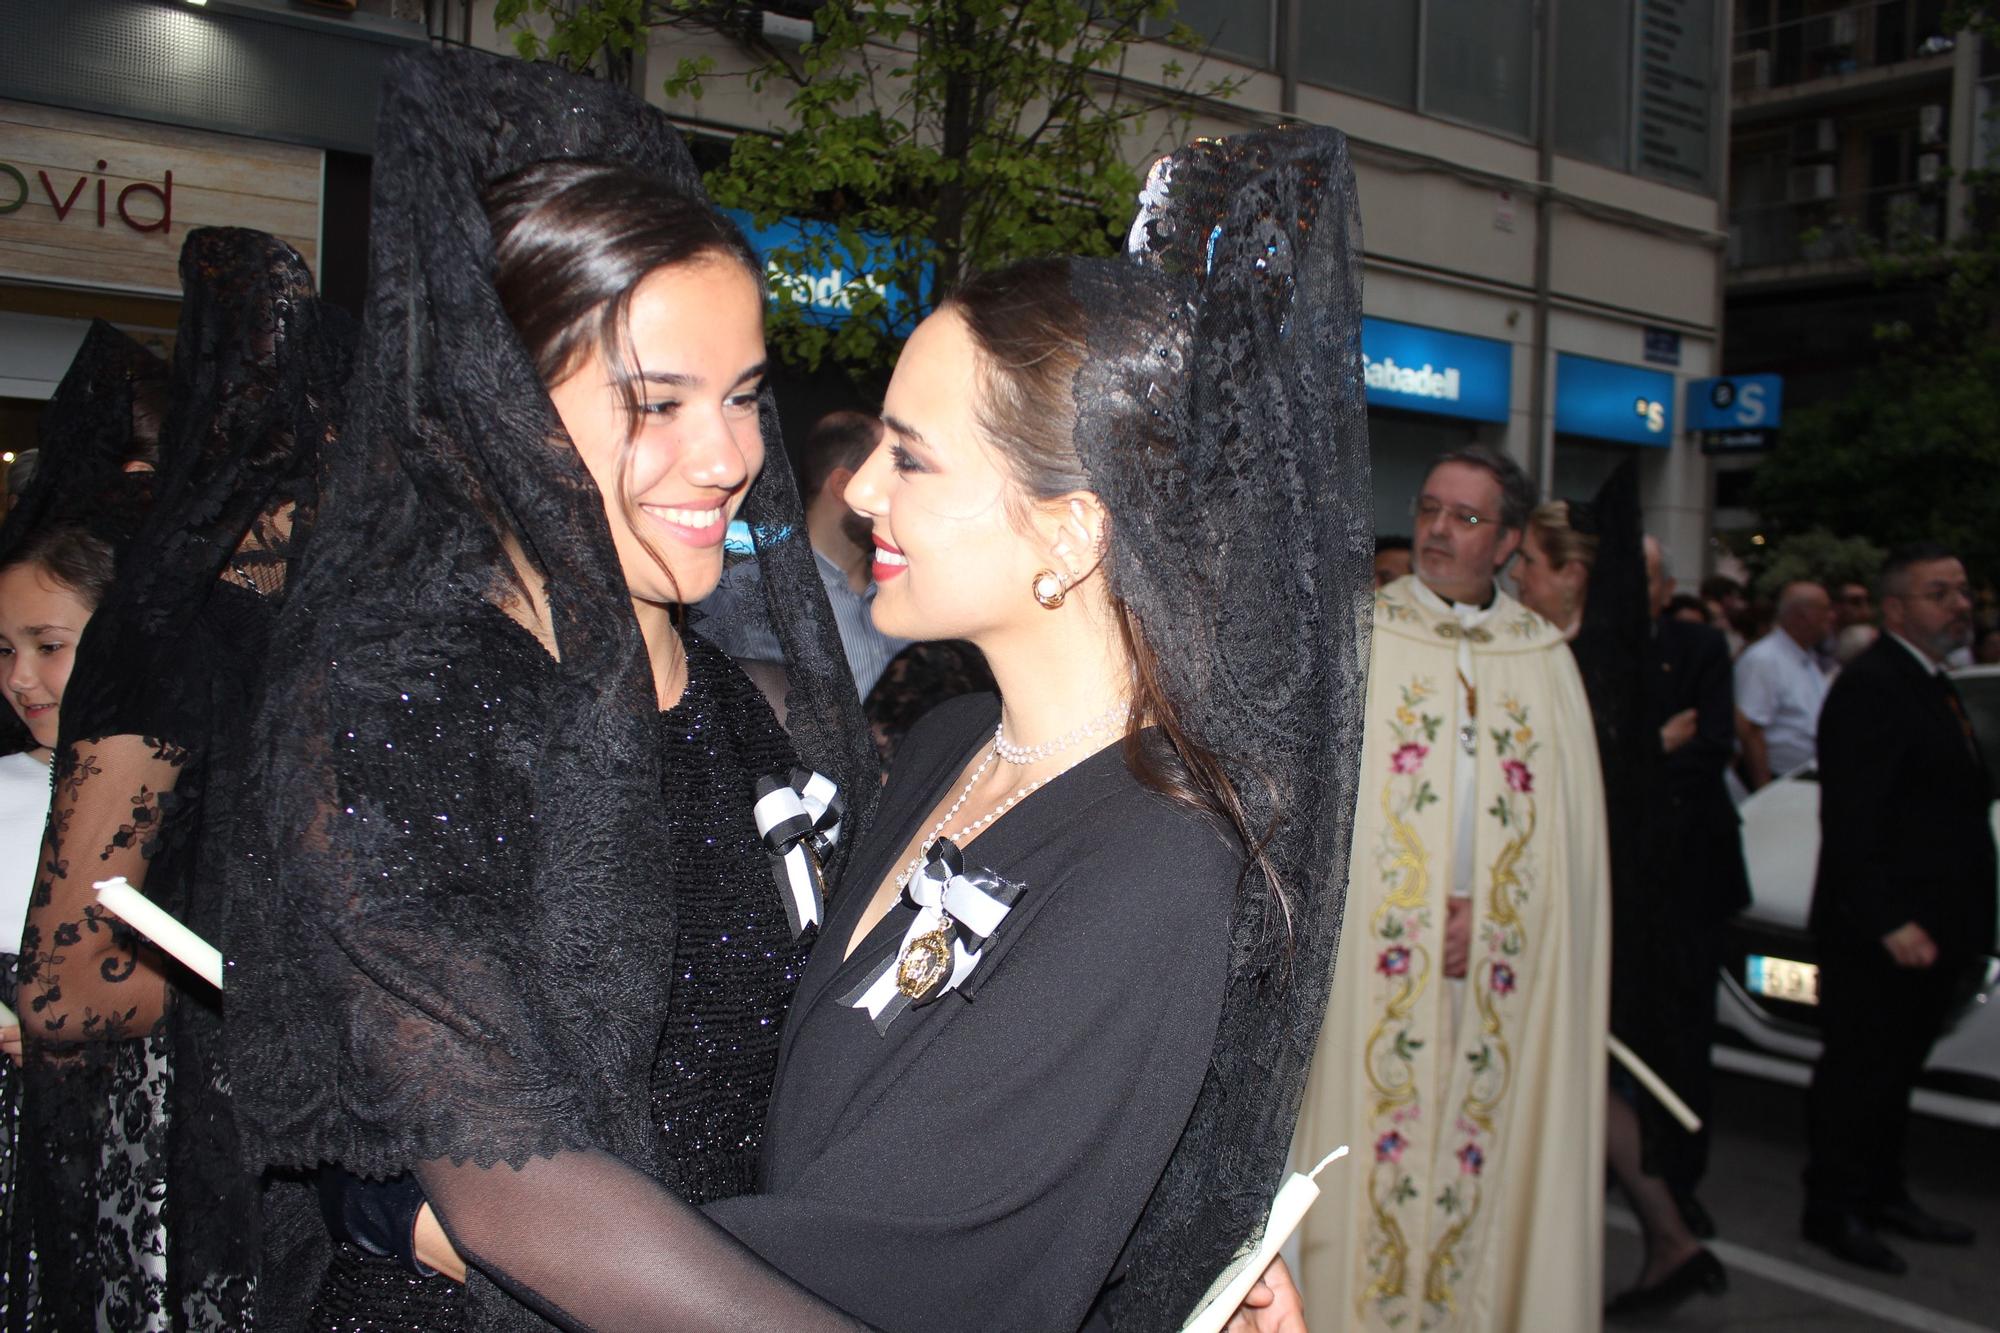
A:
(1851, 127)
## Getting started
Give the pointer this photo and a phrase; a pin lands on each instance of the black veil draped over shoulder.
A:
(84, 437)
(392, 1007)
(1245, 556)
(83, 440)
(1614, 653)
(126, 1102)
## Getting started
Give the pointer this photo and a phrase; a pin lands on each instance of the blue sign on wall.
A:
(1608, 401)
(1736, 402)
(1429, 370)
(827, 290)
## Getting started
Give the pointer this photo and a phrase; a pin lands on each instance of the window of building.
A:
(1594, 84)
(1361, 47)
(1241, 30)
(1479, 62)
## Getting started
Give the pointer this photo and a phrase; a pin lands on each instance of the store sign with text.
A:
(1606, 400)
(100, 201)
(1429, 370)
(827, 289)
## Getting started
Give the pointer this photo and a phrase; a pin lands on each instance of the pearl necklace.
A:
(1029, 754)
(1018, 795)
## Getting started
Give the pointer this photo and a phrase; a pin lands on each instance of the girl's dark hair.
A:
(80, 562)
(572, 240)
(1031, 331)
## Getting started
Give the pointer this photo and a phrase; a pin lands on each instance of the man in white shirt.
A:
(1780, 686)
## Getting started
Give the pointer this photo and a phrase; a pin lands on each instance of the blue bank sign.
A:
(1736, 402)
(1605, 400)
(1429, 370)
(827, 285)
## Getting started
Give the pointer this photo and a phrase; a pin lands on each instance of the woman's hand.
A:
(1273, 1305)
(10, 1042)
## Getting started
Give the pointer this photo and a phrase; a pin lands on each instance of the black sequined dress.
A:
(735, 961)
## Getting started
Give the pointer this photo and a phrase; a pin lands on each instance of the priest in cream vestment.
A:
(1474, 1104)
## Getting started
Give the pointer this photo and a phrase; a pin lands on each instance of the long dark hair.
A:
(572, 240)
(1031, 331)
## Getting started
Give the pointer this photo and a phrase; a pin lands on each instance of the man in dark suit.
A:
(1903, 905)
(1694, 702)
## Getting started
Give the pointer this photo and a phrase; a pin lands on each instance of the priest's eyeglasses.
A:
(1428, 507)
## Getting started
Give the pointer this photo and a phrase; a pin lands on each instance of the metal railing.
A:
(1894, 219)
(1831, 40)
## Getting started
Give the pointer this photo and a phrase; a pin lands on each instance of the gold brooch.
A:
(926, 963)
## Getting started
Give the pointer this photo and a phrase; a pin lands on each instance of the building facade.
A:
(124, 124)
(1541, 208)
(1852, 127)
(1540, 187)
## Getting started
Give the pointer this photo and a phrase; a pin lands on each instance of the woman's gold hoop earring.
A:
(1050, 589)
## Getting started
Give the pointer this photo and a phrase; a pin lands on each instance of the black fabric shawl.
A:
(152, 720)
(1613, 651)
(83, 440)
(1243, 548)
(85, 436)
(382, 1016)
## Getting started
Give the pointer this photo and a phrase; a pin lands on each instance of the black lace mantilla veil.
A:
(1613, 654)
(84, 437)
(1245, 556)
(125, 1103)
(386, 1013)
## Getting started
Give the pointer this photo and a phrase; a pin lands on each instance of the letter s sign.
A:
(1750, 409)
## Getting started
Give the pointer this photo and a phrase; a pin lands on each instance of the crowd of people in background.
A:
(1848, 683)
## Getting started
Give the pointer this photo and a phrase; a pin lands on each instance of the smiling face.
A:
(671, 485)
(951, 560)
(40, 622)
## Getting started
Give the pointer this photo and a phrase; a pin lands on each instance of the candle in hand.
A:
(1288, 1209)
(145, 916)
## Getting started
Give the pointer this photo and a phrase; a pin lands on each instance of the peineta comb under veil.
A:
(1243, 549)
(383, 1015)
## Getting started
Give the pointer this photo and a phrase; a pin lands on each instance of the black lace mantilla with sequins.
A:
(461, 753)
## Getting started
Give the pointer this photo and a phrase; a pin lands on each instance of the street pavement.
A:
(1779, 1282)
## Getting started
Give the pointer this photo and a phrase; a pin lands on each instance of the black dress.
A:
(981, 1164)
(735, 961)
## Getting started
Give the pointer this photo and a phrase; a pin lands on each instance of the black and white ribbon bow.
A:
(955, 911)
(799, 821)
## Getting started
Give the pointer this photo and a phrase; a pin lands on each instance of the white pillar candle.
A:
(145, 916)
(1288, 1209)
(1654, 1084)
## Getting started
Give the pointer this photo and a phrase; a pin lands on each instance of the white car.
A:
(1765, 1011)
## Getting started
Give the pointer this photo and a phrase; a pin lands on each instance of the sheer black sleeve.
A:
(591, 1243)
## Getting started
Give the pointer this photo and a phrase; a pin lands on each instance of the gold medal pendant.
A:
(926, 963)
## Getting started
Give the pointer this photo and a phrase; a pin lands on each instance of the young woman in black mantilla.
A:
(508, 896)
(137, 1208)
(1136, 867)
